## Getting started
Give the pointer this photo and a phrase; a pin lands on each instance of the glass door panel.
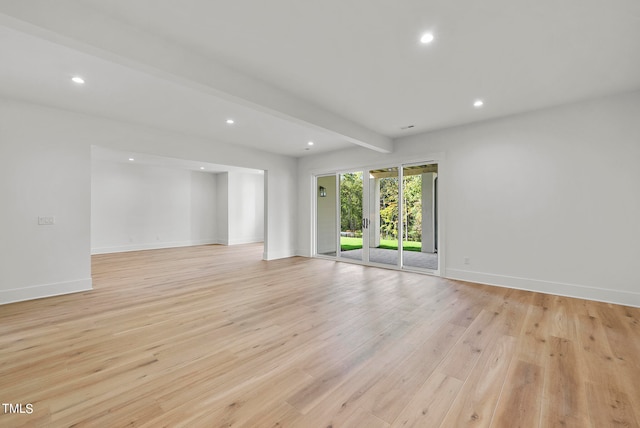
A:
(419, 216)
(383, 216)
(351, 219)
(326, 216)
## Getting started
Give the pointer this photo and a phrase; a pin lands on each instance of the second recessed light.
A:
(478, 103)
(230, 122)
(426, 38)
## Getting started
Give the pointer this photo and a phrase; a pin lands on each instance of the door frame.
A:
(400, 164)
(437, 210)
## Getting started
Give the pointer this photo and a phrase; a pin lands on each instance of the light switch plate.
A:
(46, 221)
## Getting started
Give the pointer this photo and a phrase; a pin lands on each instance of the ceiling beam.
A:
(78, 25)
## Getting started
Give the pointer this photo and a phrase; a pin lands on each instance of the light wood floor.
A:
(213, 336)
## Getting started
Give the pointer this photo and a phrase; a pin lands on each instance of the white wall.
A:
(45, 170)
(240, 208)
(204, 212)
(222, 208)
(546, 201)
(246, 208)
(281, 186)
(42, 173)
(327, 222)
(137, 207)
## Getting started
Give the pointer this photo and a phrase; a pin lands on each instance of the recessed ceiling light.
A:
(77, 79)
(310, 143)
(478, 103)
(131, 159)
(426, 38)
(201, 167)
(230, 122)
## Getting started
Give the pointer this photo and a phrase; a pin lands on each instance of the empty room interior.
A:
(319, 214)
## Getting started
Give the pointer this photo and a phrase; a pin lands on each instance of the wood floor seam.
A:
(214, 336)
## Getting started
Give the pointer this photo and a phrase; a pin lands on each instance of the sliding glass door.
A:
(419, 216)
(384, 216)
(380, 216)
(352, 224)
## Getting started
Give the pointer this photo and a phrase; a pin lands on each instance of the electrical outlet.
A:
(46, 221)
(467, 261)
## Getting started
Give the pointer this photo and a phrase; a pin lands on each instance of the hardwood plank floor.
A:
(213, 336)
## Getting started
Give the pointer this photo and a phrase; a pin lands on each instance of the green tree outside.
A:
(351, 187)
(351, 203)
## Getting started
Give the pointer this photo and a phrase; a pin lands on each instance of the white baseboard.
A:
(618, 297)
(153, 246)
(239, 241)
(44, 290)
(275, 255)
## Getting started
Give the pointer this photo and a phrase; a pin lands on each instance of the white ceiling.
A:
(338, 72)
(40, 71)
(109, 155)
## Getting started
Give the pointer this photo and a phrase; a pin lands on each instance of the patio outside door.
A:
(340, 224)
(369, 216)
(419, 217)
(383, 213)
(380, 216)
(350, 214)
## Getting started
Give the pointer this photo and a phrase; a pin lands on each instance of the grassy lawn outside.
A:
(347, 244)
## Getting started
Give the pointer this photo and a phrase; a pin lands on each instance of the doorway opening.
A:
(145, 202)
